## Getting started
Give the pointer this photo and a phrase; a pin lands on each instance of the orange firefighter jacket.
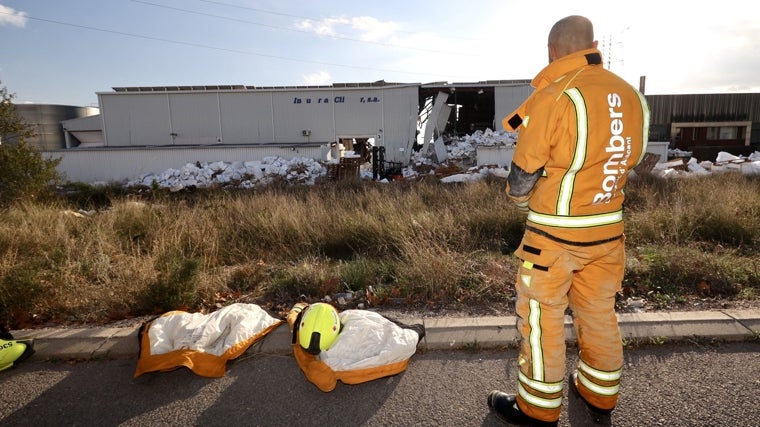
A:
(579, 134)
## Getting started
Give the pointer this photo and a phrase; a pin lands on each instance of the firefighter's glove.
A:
(520, 186)
(521, 203)
(522, 207)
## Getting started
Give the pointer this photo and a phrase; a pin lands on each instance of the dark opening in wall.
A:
(472, 108)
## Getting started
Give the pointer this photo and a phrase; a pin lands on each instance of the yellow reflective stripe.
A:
(600, 375)
(540, 385)
(579, 156)
(576, 221)
(539, 401)
(645, 125)
(525, 121)
(526, 279)
(598, 389)
(537, 358)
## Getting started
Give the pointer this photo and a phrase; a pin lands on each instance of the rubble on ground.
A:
(299, 170)
(460, 165)
(724, 162)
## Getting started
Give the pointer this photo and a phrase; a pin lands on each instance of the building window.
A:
(730, 132)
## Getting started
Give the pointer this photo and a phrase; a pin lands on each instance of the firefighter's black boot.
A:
(505, 406)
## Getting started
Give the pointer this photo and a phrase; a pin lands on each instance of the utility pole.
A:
(610, 44)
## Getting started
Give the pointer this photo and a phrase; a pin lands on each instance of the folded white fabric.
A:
(368, 340)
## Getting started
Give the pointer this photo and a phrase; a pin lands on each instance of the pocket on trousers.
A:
(541, 273)
(536, 258)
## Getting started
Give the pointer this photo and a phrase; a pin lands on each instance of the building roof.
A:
(379, 83)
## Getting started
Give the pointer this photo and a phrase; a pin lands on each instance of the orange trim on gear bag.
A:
(203, 364)
(322, 376)
(316, 371)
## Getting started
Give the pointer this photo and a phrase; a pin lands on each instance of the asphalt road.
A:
(692, 384)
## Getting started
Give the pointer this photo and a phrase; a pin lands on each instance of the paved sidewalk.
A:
(440, 333)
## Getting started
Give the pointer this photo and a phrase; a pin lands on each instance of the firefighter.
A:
(579, 134)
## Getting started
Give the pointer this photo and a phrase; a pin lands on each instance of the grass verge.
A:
(109, 255)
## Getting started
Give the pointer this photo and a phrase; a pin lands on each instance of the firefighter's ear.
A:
(552, 53)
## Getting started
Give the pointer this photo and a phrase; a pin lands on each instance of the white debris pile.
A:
(724, 162)
(677, 152)
(476, 174)
(489, 137)
(465, 146)
(299, 170)
(302, 170)
(462, 150)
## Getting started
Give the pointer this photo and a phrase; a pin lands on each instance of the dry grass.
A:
(698, 236)
(423, 243)
(722, 210)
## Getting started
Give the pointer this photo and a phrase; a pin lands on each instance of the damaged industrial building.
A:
(140, 130)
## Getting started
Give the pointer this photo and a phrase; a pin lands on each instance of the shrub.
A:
(176, 285)
(311, 277)
(25, 174)
(247, 277)
(12, 128)
(20, 291)
(360, 273)
(87, 196)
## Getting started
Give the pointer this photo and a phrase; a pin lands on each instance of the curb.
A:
(440, 334)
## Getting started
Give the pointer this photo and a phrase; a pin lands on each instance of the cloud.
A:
(9, 16)
(325, 27)
(317, 79)
(372, 29)
(723, 56)
(365, 28)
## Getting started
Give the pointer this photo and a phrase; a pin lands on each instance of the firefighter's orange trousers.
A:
(552, 276)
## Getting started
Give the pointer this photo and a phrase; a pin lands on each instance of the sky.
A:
(65, 52)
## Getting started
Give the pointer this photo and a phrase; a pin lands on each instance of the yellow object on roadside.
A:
(14, 351)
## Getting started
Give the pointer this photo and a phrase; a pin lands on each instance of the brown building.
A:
(707, 123)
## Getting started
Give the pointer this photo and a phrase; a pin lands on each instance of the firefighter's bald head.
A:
(570, 35)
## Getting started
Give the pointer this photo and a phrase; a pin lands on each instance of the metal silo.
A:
(45, 120)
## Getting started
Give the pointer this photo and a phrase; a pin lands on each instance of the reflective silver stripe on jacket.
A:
(579, 155)
(576, 221)
(645, 125)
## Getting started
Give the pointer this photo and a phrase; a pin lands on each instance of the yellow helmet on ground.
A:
(14, 351)
(318, 328)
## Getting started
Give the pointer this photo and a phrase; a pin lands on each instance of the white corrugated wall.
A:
(261, 116)
(124, 164)
(507, 99)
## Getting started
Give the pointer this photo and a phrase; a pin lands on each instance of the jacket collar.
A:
(564, 65)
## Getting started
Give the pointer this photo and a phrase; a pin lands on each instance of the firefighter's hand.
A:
(522, 207)
(521, 203)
